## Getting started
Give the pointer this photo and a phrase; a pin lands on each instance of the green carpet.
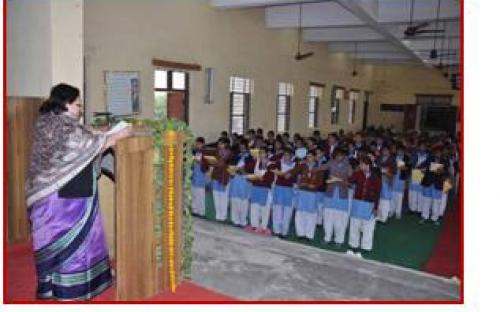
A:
(402, 242)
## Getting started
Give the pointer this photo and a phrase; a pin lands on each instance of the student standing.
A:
(321, 160)
(364, 207)
(418, 162)
(434, 179)
(221, 178)
(260, 194)
(199, 178)
(387, 165)
(239, 191)
(309, 184)
(399, 184)
(283, 194)
(335, 207)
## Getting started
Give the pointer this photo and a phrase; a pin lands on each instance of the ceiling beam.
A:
(382, 56)
(399, 11)
(357, 10)
(238, 4)
(362, 47)
(341, 34)
(313, 15)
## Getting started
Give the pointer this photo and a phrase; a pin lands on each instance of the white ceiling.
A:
(374, 27)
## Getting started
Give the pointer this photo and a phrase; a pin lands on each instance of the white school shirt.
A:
(259, 172)
(287, 167)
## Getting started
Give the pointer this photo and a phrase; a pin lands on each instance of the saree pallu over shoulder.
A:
(61, 149)
(71, 254)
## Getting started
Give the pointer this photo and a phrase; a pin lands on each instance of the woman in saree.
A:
(70, 248)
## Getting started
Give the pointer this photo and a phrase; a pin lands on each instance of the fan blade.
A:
(429, 31)
(300, 56)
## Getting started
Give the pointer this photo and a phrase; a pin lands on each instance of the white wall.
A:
(29, 49)
(399, 85)
(126, 35)
(67, 42)
(44, 45)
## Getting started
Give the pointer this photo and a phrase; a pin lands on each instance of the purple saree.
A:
(68, 236)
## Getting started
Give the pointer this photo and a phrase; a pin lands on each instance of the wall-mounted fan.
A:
(301, 56)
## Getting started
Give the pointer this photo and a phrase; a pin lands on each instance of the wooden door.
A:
(22, 115)
(176, 105)
(410, 117)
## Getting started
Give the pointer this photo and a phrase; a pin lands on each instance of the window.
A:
(314, 96)
(285, 92)
(178, 80)
(240, 90)
(166, 80)
(353, 99)
(337, 96)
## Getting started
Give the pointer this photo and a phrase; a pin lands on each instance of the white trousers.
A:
(239, 211)
(259, 215)
(438, 207)
(305, 223)
(221, 203)
(384, 209)
(282, 215)
(397, 204)
(359, 227)
(198, 200)
(426, 206)
(319, 219)
(414, 200)
(335, 220)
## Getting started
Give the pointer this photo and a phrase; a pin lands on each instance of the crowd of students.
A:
(346, 181)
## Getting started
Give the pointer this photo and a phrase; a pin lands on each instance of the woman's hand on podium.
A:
(112, 139)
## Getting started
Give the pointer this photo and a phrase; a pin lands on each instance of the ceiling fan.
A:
(414, 30)
(301, 56)
(434, 53)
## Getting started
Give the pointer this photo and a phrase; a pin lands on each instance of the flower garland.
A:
(171, 208)
(158, 127)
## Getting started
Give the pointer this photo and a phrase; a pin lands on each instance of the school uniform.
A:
(415, 197)
(307, 201)
(261, 196)
(388, 168)
(428, 192)
(199, 181)
(364, 205)
(300, 153)
(283, 194)
(439, 197)
(336, 201)
(321, 191)
(330, 149)
(239, 192)
(399, 185)
(220, 184)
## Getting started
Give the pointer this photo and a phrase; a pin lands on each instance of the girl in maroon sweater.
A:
(221, 178)
(309, 183)
(364, 206)
(260, 194)
(283, 194)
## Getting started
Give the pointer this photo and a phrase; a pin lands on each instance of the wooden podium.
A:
(139, 273)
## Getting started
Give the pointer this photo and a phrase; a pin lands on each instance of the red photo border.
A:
(461, 207)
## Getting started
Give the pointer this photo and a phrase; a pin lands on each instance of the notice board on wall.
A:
(122, 92)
